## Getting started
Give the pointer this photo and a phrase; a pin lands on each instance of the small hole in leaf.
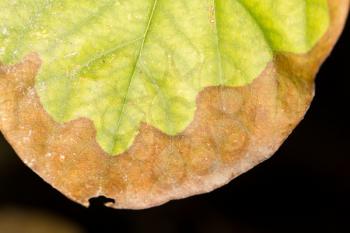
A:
(101, 201)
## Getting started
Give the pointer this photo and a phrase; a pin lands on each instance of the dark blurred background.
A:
(304, 187)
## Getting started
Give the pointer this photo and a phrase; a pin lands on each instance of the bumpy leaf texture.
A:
(148, 101)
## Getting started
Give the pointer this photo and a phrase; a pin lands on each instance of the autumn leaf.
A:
(148, 101)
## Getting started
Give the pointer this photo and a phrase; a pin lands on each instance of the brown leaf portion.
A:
(234, 129)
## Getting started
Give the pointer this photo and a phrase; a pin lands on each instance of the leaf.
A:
(188, 94)
(120, 63)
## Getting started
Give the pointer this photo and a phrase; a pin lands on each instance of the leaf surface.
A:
(188, 94)
(120, 63)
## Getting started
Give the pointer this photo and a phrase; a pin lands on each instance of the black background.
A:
(304, 187)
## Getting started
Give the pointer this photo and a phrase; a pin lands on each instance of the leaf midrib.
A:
(133, 72)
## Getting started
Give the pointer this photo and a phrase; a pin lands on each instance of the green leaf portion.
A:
(124, 62)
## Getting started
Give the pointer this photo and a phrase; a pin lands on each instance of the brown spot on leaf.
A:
(233, 130)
